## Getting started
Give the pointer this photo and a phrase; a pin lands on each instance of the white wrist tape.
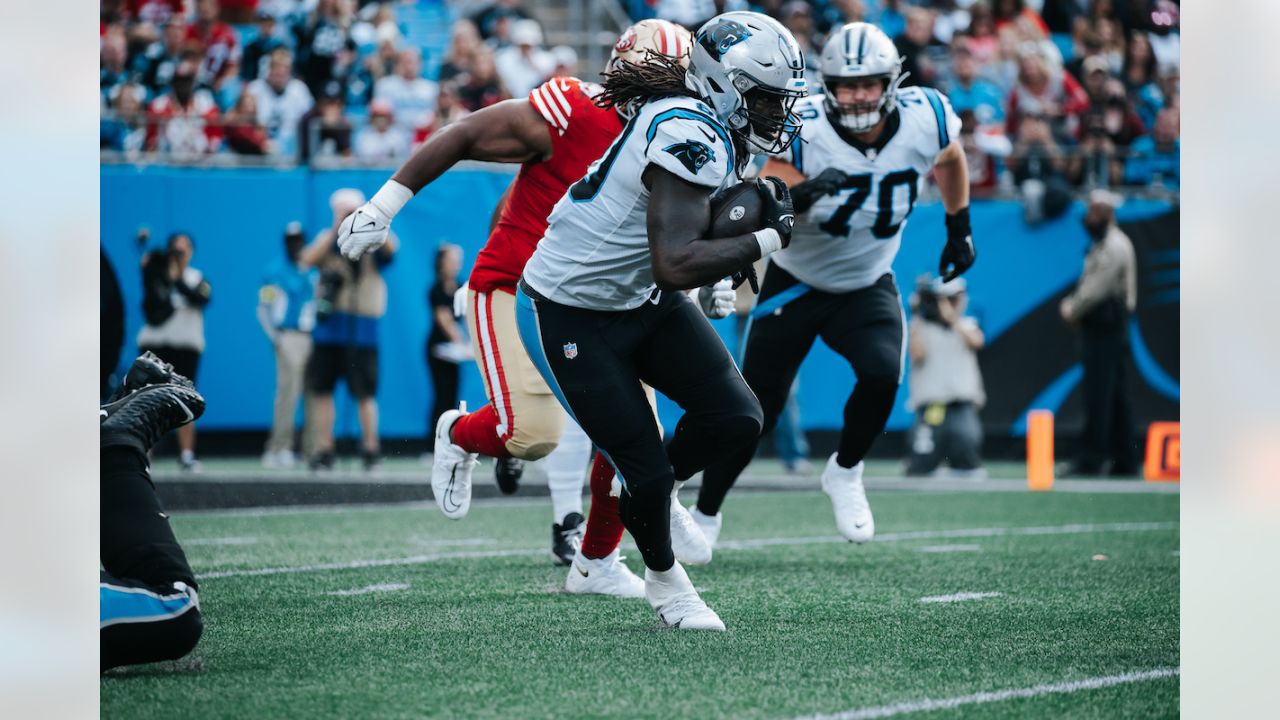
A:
(770, 241)
(391, 198)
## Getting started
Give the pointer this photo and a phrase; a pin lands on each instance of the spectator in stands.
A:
(377, 23)
(145, 17)
(122, 127)
(245, 134)
(287, 313)
(1155, 158)
(175, 295)
(463, 46)
(951, 18)
(381, 140)
(325, 130)
(1164, 37)
(969, 92)
(946, 389)
(113, 71)
(379, 64)
(1100, 307)
(983, 144)
(1161, 94)
(156, 65)
(257, 53)
(325, 49)
(984, 41)
(412, 98)
(1090, 46)
(1045, 89)
(482, 87)
(218, 42)
(1012, 12)
(351, 298)
(524, 65)
(1139, 64)
(1038, 167)
(184, 121)
(1095, 74)
(1107, 130)
(913, 45)
(447, 343)
(566, 61)
(487, 18)
(1060, 15)
(282, 101)
(448, 110)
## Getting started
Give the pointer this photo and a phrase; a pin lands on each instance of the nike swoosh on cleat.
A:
(859, 525)
(190, 416)
(584, 572)
(448, 492)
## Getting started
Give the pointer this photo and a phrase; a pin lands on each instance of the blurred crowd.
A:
(1054, 94)
(293, 79)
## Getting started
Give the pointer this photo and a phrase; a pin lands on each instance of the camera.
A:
(327, 295)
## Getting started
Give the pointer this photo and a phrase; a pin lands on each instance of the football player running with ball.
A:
(555, 133)
(866, 146)
(600, 307)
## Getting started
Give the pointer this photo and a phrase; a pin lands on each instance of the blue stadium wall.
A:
(237, 216)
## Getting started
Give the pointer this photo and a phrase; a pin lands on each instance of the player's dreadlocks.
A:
(632, 84)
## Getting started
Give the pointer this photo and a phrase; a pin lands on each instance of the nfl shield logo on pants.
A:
(571, 350)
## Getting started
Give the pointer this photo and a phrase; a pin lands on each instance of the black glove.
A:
(827, 182)
(747, 275)
(959, 253)
(777, 211)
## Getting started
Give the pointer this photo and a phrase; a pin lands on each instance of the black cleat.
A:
(322, 462)
(372, 461)
(147, 370)
(508, 471)
(566, 538)
(142, 417)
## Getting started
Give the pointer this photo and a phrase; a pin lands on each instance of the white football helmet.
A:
(748, 68)
(660, 36)
(860, 50)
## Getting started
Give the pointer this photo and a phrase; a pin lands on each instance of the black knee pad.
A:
(741, 429)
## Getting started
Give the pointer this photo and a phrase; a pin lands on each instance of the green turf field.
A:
(465, 619)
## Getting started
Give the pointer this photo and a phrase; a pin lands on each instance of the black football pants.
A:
(865, 327)
(144, 616)
(595, 362)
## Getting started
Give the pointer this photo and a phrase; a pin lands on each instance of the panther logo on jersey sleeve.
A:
(692, 154)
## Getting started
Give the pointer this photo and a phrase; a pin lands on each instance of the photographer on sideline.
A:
(174, 295)
(351, 299)
(946, 384)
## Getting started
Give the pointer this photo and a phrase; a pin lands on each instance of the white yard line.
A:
(245, 540)
(949, 548)
(367, 589)
(1076, 529)
(959, 597)
(981, 698)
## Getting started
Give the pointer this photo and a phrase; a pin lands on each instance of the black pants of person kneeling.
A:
(148, 607)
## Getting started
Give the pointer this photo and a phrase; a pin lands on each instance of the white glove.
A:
(460, 301)
(717, 300)
(363, 230)
(367, 228)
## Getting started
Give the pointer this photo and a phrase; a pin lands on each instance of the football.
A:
(736, 210)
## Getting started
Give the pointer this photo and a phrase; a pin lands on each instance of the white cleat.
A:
(687, 541)
(678, 605)
(849, 500)
(451, 470)
(603, 576)
(708, 524)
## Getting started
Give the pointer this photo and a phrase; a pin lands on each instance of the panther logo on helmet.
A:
(717, 40)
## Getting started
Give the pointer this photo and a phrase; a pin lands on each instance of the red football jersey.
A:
(580, 134)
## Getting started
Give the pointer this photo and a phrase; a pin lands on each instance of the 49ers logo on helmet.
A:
(627, 41)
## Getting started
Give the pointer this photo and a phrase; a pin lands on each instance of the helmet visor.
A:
(772, 124)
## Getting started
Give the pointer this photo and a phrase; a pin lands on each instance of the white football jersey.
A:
(848, 240)
(595, 252)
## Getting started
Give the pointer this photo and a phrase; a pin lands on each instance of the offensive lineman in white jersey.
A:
(598, 308)
(866, 146)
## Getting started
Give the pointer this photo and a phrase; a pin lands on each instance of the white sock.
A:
(567, 471)
(188, 455)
